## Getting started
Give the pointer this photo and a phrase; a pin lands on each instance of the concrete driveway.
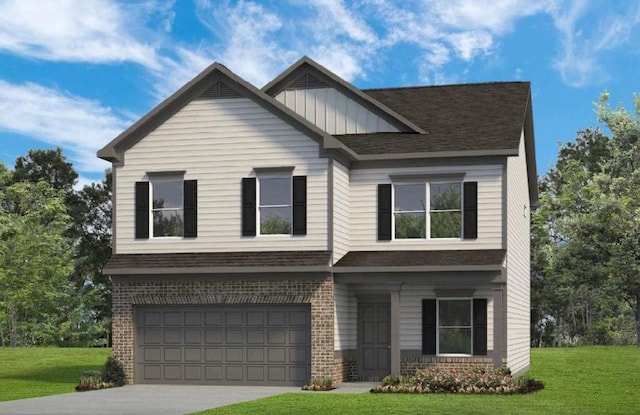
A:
(141, 399)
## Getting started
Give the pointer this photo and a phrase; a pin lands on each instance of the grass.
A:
(584, 380)
(42, 371)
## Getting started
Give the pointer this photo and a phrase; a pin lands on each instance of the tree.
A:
(35, 260)
(585, 236)
(93, 317)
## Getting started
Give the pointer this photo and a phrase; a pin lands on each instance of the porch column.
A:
(497, 326)
(395, 331)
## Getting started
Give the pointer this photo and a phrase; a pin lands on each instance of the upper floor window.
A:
(167, 206)
(441, 217)
(275, 205)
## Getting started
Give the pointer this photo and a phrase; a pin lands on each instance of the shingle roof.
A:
(421, 258)
(486, 116)
(218, 260)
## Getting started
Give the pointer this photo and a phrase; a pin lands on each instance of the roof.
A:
(466, 120)
(454, 117)
(213, 262)
(449, 260)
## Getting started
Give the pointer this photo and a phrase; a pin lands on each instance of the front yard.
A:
(42, 371)
(584, 380)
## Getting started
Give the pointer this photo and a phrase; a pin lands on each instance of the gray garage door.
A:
(245, 345)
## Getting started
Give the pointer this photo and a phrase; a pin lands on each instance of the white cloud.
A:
(583, 45)
(79, 125)
(96, 31)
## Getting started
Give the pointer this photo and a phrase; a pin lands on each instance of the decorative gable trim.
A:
(307, 65)
(220, 90)
(307, 81)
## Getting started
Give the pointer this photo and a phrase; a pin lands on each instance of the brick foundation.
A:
(408, 365)
(316, 292)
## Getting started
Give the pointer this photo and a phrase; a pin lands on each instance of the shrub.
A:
(474, 380)
(114, 372)
(319, 384)
(92, 380)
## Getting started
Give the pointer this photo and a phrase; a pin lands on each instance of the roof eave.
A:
(438, 154)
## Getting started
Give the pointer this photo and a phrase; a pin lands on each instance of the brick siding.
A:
(316, 292)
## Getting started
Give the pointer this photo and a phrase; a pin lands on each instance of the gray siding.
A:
(333, 111)
(345, 320)
(217, 142)
(518, 264)
(363, 205)
(341, 214)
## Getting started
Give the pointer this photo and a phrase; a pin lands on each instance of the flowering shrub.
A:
(319, 384)
(92, 380)
(459, 381)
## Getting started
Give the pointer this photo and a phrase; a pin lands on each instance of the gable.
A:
(332, 111)
(215, 82)
(333, 104)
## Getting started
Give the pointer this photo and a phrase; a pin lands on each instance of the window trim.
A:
(273, 175)
(165, 177)
(427, 185)
(470, 299)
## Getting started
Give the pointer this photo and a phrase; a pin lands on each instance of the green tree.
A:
(35, 260)
(89, 322)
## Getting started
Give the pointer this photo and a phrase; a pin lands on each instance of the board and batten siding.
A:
(411, 296)
(340, 211)
(345, 320)
(363, 208)
(333, 111)
(518, 264)
(218, 142)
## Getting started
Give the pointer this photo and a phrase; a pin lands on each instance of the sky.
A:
(76, 73)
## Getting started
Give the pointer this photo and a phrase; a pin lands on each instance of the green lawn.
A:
(41, 371)
(584, 380)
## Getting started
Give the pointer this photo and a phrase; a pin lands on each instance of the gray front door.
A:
(231, 344)
(374, 340)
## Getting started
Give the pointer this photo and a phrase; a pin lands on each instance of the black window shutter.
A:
(190, 204)
(429, 327)
(299, 205)
(384, 212)
(470, 210)
(249, 206)
(142, 210)
(480, 326)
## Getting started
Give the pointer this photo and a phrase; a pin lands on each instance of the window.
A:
(167, 206)
(409, 211)
(275, 205)
(445, 210)
(455, 326)
(444, 219)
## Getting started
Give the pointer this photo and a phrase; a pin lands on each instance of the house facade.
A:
(310, 229)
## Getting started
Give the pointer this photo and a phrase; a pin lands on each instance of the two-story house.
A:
(311, 229)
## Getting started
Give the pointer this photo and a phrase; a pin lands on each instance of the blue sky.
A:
(75, 73)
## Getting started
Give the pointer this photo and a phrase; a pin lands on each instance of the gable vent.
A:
(219, 90)
(307, 81)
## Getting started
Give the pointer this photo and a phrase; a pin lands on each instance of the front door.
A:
(374, 339)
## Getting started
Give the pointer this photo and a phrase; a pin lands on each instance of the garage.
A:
(230, 344)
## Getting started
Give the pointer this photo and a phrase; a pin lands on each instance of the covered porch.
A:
(396, 311)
